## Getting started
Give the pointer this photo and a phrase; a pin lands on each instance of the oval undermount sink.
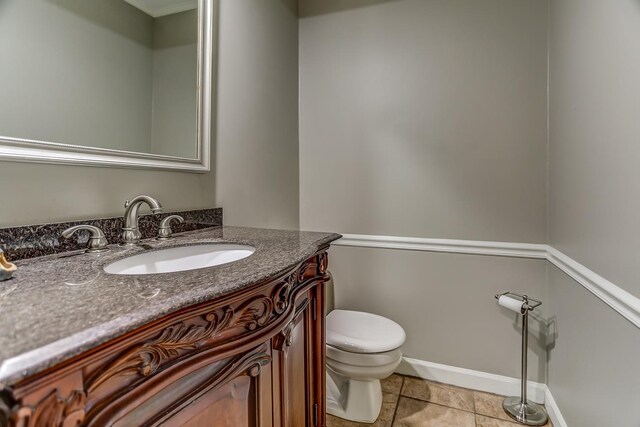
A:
(181, 258)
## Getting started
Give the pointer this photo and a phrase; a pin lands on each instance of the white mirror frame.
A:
(28, 150)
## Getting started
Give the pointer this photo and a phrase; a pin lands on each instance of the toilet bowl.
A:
(362, 349)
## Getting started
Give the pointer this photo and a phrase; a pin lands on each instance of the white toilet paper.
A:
(511, 303)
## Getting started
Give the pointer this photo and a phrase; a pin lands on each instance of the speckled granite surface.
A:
(32, 241)
(59, 306)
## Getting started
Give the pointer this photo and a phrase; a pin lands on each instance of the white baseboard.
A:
(468, 378)
(482, 381)
(553, 410)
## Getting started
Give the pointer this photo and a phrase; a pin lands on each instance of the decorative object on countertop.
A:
(6, 268)
(131, 234)
(164, 230)
(519, 408)
(37, 240)
(97, 240)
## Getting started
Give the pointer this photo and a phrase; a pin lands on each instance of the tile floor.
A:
(412, 402)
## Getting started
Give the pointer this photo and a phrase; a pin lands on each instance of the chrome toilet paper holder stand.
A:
(519, 408)
(525, 299)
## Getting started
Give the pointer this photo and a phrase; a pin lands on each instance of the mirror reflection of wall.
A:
(102, 73)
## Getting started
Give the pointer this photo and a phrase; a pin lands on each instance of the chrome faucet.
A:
(130, 233)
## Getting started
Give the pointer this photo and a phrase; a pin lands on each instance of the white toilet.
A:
(362, 349)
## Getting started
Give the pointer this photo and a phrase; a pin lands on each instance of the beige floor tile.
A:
(389, 407)
(339, 422)
(490, 405)
(482, 421)
(393, 384)
(441, 394)
(419, 403)
(418, 413)
(389, 402)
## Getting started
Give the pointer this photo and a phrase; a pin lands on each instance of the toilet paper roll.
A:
(511, 303)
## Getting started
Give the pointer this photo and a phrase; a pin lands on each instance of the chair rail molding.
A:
(617, 298)
(474, 247)
(614, 296)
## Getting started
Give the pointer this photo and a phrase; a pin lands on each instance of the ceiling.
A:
(157, 8)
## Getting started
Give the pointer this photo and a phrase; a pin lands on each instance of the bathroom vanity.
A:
(101, 338)
(239, 344)
(109, 338)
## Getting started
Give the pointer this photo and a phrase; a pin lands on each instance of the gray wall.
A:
(257, 148)
(434, 114)
(594, 369)
(594, 365)
(445, 304)
(76, 72)
(48, 193)
(595, 134)
(254, 152)
(427, 118)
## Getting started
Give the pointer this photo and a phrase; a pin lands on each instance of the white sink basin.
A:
(181, 258)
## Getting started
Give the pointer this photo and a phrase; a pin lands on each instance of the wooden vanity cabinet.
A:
(299, 364)
(252, 358)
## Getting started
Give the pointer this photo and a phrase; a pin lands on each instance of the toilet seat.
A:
(363, 359)
(363, 333)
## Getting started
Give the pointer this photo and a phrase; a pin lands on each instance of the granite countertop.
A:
(59, 306)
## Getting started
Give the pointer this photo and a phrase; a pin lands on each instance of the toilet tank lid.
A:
(360, 332)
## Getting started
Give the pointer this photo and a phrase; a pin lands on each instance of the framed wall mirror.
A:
(120, 83)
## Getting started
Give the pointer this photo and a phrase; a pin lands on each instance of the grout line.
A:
(475, 413)
(473, 398)
(439, 404)
(395, 409)
(449, 385)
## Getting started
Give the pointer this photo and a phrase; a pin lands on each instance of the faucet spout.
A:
(130, 233)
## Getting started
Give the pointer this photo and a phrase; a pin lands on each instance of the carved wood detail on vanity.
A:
(283, 339)
(146, 358)
(179, 370)
(53, 410)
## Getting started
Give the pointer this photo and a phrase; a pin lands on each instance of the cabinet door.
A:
(234, 392)
(299, 372)
(244, 401)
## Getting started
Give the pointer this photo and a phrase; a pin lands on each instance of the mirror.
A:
(123, 83)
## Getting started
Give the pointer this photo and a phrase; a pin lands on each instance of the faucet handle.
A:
(97, 240)
(164, 230)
